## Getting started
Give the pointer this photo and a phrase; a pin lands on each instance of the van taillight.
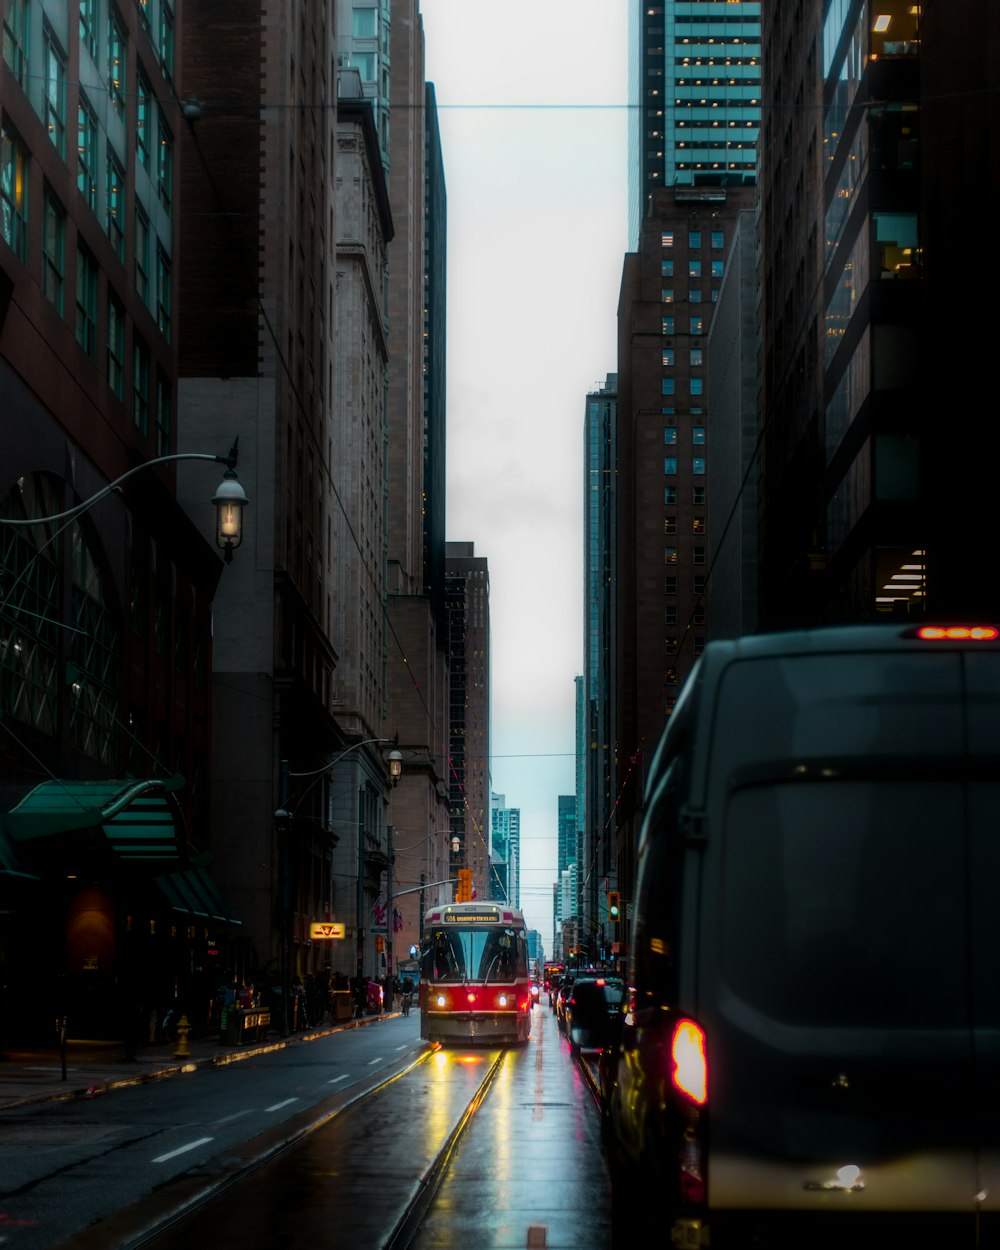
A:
(689, 1063)
(958, 633)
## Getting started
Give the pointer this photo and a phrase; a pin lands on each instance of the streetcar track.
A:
(409, 1222)
(134, 1227)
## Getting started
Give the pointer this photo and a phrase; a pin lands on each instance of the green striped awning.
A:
(194, 893)
(140, 819)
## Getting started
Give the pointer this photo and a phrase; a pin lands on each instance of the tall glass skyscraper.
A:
(694, 97)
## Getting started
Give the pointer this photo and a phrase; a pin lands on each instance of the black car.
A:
(592, 1004)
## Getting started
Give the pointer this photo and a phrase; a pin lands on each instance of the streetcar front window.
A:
(487, 954)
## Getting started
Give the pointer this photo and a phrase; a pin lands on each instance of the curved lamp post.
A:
(230, 498)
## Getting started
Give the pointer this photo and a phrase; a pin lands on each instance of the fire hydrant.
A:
(181, 1048)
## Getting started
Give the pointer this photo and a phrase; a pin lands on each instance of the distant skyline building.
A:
(694, 119)
(505, 844)
(467, 602)
(694, 96)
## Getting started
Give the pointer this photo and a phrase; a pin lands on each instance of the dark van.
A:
(811, 1055)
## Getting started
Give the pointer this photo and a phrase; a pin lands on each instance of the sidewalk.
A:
(95, 1067)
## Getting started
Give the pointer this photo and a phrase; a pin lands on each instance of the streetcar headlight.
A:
(502, 1000)
(440, 1000)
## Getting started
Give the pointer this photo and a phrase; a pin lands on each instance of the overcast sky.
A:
(532, 111)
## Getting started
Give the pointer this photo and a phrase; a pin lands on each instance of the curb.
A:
(190, 1064)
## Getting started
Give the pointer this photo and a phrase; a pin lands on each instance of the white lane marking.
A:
(406, 1047)
(335, 1079)
(278, 1105)
(227, 1118)
(192, 1145)
(377, 1059)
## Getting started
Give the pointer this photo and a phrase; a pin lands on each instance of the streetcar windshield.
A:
(480, 954)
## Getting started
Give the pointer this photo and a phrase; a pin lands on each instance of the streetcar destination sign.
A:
(483, 915)
(320, 930)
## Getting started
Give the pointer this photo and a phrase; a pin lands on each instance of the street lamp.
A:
(230, 498)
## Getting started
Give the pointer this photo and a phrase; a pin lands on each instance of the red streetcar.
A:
(474, 984)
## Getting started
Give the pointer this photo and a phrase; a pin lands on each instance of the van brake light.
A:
(958, 633)
(690, 1065)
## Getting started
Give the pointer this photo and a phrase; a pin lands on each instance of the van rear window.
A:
(846, 903)
(888, 703)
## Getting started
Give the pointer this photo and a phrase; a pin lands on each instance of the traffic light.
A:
(463, 894)
(614, 905)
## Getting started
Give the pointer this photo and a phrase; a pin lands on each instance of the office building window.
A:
(15, 39)
(86, 302)
(667, 238)
(698, 584)
(698, 555)
(697, 434)
(54, 251)
(669, 555)
(116, 345)
(670, 584)
(671, 677)
(717, 267)
(166, 39)
(363, 23)
(694, 239)
(717, 240)
(698, 616)
(697, 326)
(669, 495)
(164, 295)
(667, 295)
(670, 435)
(667, 412)
(116, 61)
(694, 295)
(668, 358)
(670, 616)
(694, 268)
(86, 151)
(696, 357)
(143, 120)
(667, 325)
(55, 90)
(696, 386)
(142, 255)
(670, 525)
(670, 645)
(698, 495)
(670, 466)
(715, 294)
(140, 385)
(114, 208)
(165, 164)
(699, 644)
(698, 465)
(666, 268)
(698, 525)
(88, 27)
(14, 195)
(667, 386)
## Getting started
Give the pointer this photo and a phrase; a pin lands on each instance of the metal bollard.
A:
(181, 1048)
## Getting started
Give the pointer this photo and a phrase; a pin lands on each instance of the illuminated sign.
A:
(482, 915)
(322, 931)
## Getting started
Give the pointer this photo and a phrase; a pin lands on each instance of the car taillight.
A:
(689, 1063)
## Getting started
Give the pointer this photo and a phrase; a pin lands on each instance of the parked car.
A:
(590, 1008)
(810, 1056)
